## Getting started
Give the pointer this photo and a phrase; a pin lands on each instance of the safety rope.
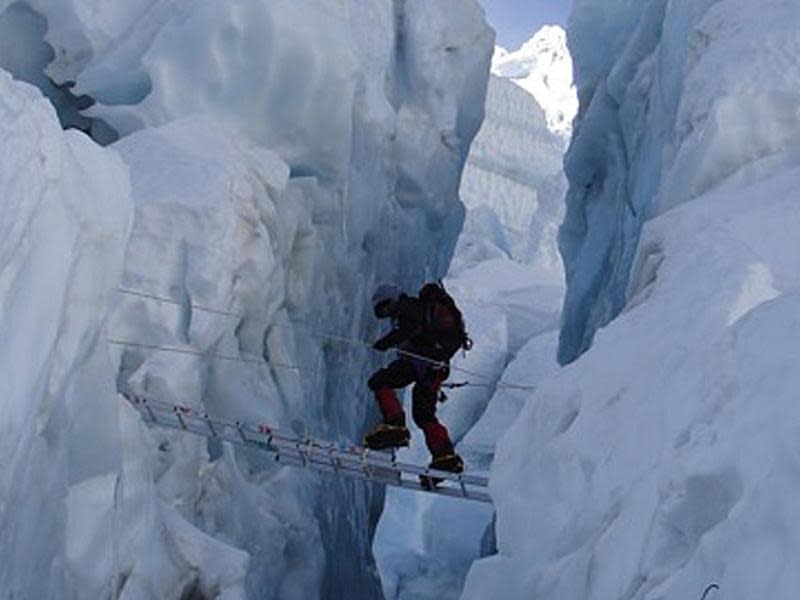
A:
(328, 336)
(708, 590)
(180, 350)
(454, 386)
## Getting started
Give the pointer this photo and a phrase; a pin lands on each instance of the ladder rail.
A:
(190, 420)
(353, 462)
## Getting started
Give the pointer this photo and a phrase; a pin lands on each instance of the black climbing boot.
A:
(447, 462)
(386, 436)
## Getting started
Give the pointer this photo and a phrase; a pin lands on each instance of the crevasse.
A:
(278, 162)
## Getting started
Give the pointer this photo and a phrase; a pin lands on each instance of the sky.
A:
(517, 20)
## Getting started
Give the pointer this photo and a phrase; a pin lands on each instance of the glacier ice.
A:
(657, 129)
(513, 184)
(225, 234)
(79, 513)
(277, 160)
(651, 461)
(664, 457)
(63, 228)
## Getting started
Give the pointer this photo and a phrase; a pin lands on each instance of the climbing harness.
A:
(354, 462)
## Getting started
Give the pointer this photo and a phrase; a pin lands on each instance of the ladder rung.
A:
(354, 462)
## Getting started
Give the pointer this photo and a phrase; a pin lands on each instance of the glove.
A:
(381, 345)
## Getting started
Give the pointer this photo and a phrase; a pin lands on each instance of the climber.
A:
(427, 331)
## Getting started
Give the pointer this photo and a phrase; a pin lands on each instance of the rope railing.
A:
(354, 462)
(320, 335)
(203, 354)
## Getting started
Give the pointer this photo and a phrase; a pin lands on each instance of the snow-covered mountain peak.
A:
(550, 42)
(543, 67)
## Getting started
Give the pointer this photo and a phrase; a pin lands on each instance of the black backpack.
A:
(444, 320)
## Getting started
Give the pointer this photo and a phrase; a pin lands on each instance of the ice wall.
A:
(674, 99)
(283, 158)
(217, 229)
(660, 461)
(64, 222)
(79, 513)
(665, 459)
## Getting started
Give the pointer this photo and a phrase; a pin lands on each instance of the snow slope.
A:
(665, 458)
(277, 178)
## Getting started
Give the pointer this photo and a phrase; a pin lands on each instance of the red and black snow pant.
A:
(427, 380)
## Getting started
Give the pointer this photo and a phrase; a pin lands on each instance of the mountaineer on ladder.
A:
(427, 331)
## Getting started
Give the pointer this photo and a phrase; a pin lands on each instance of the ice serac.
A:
(63, 227)
(79, 512)
(513, 185)
(284, 157)
(661, 460)
(216, 229)
(674, 99)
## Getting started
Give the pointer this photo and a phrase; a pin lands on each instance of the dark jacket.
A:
(412, 332)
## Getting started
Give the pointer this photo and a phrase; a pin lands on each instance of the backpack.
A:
(444, 320)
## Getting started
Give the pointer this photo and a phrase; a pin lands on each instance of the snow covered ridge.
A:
(675, 100)
(543, 67)
(281, 158)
